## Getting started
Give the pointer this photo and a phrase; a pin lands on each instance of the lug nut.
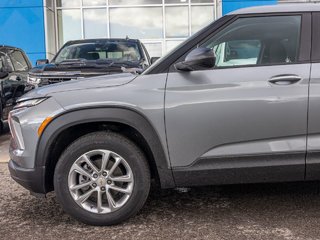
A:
(104, 174)
(95, 175)
(109, 181)
(103, 188)
(94, 184)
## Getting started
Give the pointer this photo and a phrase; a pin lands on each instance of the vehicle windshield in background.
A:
(103, 50)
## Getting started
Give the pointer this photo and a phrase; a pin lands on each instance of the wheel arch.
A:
(115, 116)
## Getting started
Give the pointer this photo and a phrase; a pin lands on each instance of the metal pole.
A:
(215, 9)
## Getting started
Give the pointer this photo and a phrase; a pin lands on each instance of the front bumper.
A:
(30, 178)
(24, 124)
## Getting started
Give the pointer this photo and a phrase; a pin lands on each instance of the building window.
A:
(142, 22)
(171, 44)
(95, 23)
(94, 2)
(134, 2)
(177, 21)
(68, 3)
(69, 25)
(201, 1)
(200, 17)
(159, 24)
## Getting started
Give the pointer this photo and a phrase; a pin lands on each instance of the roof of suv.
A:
(100, 39)
(279, 8)
(6, 46)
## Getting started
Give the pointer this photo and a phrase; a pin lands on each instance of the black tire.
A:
(120, 145)
(1, 127)
(1, 120)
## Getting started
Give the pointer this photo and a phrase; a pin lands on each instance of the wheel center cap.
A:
(101, 181)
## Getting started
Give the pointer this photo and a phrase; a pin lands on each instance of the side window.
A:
(257, 41)
(238, 52)
(145, 54)
(6, 64)
(18, 61)
(1, 62)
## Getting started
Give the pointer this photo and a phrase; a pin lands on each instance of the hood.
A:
(84, 83)
(80, 69)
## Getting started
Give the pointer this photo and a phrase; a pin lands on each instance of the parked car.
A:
(14, 67)
(238, 102)
(91, 57)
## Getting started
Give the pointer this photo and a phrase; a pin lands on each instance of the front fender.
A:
(108, 114)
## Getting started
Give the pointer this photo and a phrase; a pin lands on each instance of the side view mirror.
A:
(42, 61)
(197, 59)
(154, 59)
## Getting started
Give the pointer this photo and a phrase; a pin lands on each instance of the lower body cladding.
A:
(242, 169)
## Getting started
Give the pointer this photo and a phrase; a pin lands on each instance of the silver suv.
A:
(238, 102)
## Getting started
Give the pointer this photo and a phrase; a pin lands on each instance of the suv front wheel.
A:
(102, 178)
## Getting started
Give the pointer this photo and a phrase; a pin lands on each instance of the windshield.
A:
(104, 50)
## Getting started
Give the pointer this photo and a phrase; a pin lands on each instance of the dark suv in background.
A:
(14, 67)
(91, 57)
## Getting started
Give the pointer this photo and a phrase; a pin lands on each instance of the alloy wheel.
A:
(100, 181)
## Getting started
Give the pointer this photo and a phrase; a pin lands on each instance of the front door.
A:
(13, 84)
(246, 119)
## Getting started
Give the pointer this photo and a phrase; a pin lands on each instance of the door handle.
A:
(285, 79)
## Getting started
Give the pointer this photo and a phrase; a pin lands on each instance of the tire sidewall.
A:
(123, 147)
(1, 118)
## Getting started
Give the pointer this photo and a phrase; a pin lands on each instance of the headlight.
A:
(33, 79)
(29, 103)
(16, 132)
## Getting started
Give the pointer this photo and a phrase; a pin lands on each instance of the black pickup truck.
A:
(14, 68)
(89, 58)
